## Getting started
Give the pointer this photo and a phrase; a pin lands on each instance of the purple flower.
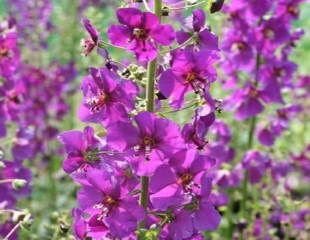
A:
(90, 43)
(280, 123)
(271, 34)
(9, 53)
(190, 71)
(288, 9)
(140, 32)
(238, 48)
(280, 69)
(195, 132)
(266, 137)
(107, 98)
(108, 204)
(182, 176)
(256, 164)
(258, 7)
(83, 149)
(202, 36)
(248, 101)
(152, 141)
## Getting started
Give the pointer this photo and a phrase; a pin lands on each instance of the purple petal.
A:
(90, 29)
(72, 163)
(206, 218)
(88, 197)
(182, 36)
(122, 136)
(164, 34)
(167, 197)
(103, 182)
(130, 16)
(182, 226)
(150, 21)
(266, 137)
(145, 122)
(208, 40)
(249, 108)
(119, 35)
(158, 182)
(199, 19)
(172, 88)
(72, 140)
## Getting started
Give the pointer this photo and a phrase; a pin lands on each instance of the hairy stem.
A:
(150, 96)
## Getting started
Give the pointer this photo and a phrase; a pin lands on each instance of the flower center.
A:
(88, 45)
(293, 10)
(97, 102)
(282, 114)
(269, 33)
(140, 33)
(185, 179)
(238, 46)
(253, 93)
(13, 97)
(92, 155)
(279, 72)
(148, 141)
(190, 77)
(4, 52)
(109, 202)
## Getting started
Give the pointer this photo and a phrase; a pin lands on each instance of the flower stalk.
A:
(150, 97)
(250, 143)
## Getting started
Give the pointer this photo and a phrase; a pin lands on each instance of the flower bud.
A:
(18, 184)
(216, 5)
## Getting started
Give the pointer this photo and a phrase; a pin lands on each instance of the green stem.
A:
(150, 96)
(250, 145)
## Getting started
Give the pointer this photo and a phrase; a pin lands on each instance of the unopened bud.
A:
(216, 5)
(165, 11)
(18, 184)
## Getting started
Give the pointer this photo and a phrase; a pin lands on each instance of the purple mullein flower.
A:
(108, 204)
(185, 172)
(203, 38)
(194, 133)
(9, 53)
(107, 98)
(190, 71)
(83, 149)
(140, 32)
(272, 33)
(288, 9)
(90, 43)
(249, 101)
(153, 140)
(238, 48)
(256, 164)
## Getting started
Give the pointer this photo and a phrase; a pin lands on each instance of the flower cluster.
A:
(32, 99)
(260, 76)
(145, 174)
(33, 21)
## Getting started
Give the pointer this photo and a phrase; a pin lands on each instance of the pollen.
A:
(4, 52)
(185, 179)
(192, 76)
(140, 33)
(148, 141)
